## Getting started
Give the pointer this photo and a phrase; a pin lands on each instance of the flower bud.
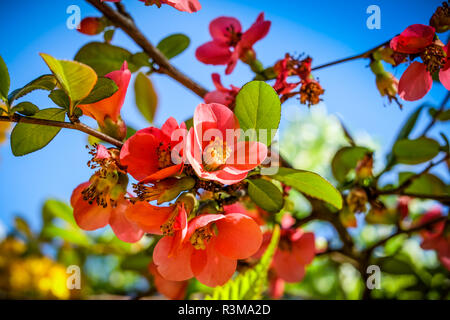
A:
(165, 190)
(356, 200)
(117, 130)
(91, 26)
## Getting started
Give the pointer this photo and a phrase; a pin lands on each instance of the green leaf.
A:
(189, 123)
(27, 138)
(72, 235)
(57, 209)
(173, 45)
(404, 132)
(60, 98)
(104, 58)
(416, 151)
(258, 107)
(345, 160)
(4, 79)
(130, 131)
(45, 82)
(426, 184)
(442, 116)
(25, 108)
(76, 79)
(311, 184)
(104, 88)
(265, 194)
(145, 95)
(250, 284)
(141, 59)
(108, 35)
(22, 226)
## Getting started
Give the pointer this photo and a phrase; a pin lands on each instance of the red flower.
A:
(101, 200)
(296, 249)
(256, 214)
(227, 33)
(417, 80)
(213, 149)
(107, 111)
(91, 216)
(182, 5)
(221, 95)
(148, 153)
(174, 290)
(437, 237)
(210, 249)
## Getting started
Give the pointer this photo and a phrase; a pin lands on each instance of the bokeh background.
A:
(325, 30)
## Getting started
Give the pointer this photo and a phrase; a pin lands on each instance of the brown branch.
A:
(370, 249)
(365, 54)
(60, 124)
(128, 26)
(438, 112)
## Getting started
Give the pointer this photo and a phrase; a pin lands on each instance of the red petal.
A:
(256, 32)
(88, 216)
(415, 82)
(220, 28)
(444, 74)
(175, 290)
(413, 39)
(110, 106)
(139, 154)
(218, 268)
(148, 217)
(239, 236)
(190, 6)
(202, 221)
(304, 249)
(213, 53)
(125, 229)
(176, 267)
(287, 266)
(163, 173)
(246, 156)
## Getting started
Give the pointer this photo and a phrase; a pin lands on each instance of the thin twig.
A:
(128, 26)
(365, 54)
(60, 124)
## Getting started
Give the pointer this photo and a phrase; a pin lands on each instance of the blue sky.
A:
(325, 30)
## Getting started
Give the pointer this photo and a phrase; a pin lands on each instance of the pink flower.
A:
(221, 95)
(227, 34)
(209, 250)
(182, 5)
(417, 80)
(213, 149)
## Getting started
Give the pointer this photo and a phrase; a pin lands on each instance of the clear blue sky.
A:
(326, 30)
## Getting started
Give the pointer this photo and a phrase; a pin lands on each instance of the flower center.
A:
(233, 36)
(215, 155)
(285, 244)
(310, 93)
(434, 57)
(201, 236)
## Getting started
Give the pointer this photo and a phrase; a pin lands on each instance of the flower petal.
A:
(125, 229)
(415, 82)
(304, 248)
(221, 28)
(413, 39)
(256, 32)
(246, 156)
(149, 218)
(190, 6)
(287, 266)
(88, 216)
(213, 53)
(239, 236)
(218, 268)
(175, 290)
(176, 267)
(444, 75)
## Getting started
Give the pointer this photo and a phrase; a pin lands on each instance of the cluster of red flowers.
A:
(420, 40)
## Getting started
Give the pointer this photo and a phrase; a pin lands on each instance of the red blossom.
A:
(210, 250)
(221, 95)
(148, 153)
(227, 34)
(213, 149)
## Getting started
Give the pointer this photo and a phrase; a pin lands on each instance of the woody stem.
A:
(128, 26)
(61, 124)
